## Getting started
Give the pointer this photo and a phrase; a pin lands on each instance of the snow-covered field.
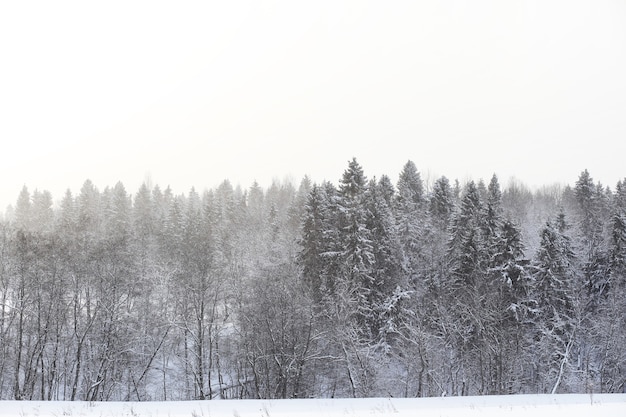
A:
(605, 405)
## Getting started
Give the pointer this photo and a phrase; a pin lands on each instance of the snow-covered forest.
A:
(368, 287)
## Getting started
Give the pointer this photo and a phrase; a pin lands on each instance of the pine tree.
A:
(506, 308)
(555, 280)
(411, 221)
(493, 207)
(42, 215)
(357, 254)
(466, 245)
(554, 277)
(587, 206)
(387, 190)
(607, 325)
(509, 264)
(491, 224)
(118, 216)
(442, 203)
(591, 207)
(22, 210)
(89, 212)
(311, 255)
(620, 196)
(143, 220)
(387, 266)
(467, 321)
(617, 249)
(116, 288)
(410, 187)
(296, 211)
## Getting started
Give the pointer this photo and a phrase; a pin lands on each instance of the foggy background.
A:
(190, 93)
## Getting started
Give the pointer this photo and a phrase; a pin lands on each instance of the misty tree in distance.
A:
(357, 289)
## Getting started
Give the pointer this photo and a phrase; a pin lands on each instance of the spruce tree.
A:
(554, 278)
(466, 245)
(356, 238)
(410, 186)
(554, 275)
(442, 203)
(311, 253)
(587, 209)
(22, 210)
(610, 320)
(411, 221)
(387, 266)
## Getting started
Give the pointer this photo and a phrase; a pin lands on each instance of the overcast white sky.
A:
(193, 93)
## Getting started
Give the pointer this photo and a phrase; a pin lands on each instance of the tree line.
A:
(364, 288)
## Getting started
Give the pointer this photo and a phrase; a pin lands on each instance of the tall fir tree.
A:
(387, 270)
(442, 203)
(311, 255)
(466, 245)
(411, 221)
(554, 274)
(356, 238)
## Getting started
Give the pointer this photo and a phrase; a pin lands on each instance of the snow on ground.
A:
(605, 405)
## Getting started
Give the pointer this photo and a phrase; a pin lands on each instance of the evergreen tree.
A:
(442, 203)
(468, 322)
(387, 266)
(587, 206)
(554, 277)
(310, 255)
(22, 210)
(42, 215)
(505, 310)
(356, 240)
(493, 207)
(297, 209)
(410, 187)
(609, 339)
(143, 217)
(387, 190)
(617, 250)
(410, 220)
(591, 207)
(466, 245)
(620, 196)
(510, 266)
(172, 235)
(492, 222)
(555, 281)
